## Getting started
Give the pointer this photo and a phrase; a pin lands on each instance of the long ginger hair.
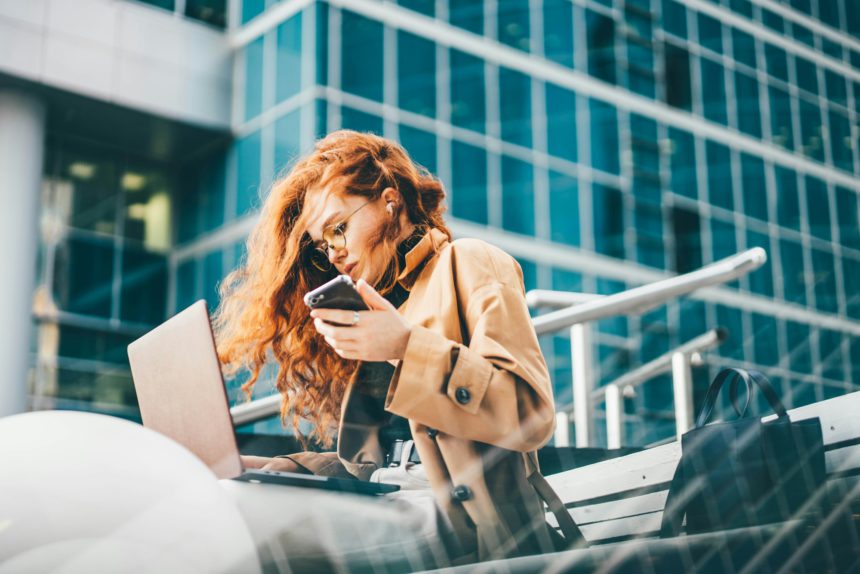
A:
(262, 317)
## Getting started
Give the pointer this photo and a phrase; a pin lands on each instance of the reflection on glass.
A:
(416, 74)
(469, 177)
(361, 56)
(518, 200)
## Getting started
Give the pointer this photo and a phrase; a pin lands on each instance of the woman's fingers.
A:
(336, 316)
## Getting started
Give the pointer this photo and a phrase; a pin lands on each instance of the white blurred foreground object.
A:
(90, 493)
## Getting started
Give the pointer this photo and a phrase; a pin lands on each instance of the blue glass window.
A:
(764, 335)
(723, 239)
(289, 58)
(793, 271)
(604, 137)
(515, 108)
(513, 24)
(683, 164)
(250, 9)
(802, 33)
(818, 207)
(748, 106)
(561, 122)
(847, 218)
(852, 21)
(807, 75)
(321, 42)
(469, 176)
(781, 117)
(773, 21)
(830, 352)
(840, 141)
(287, 141)
(467, 14)
(213, 272)
(832, 49)
(743, 7)
(254, 78)
(359, 121)
(468, 104)
(710, 33)
(828, 12)
(558, 31)
(420, 145)
(88, 289)
(851, 281)
(777, 62)
(247, 173)
(675, 18)
(186, 284)
(426, 7)
(361, 56)
(601, 46)
(608, 217)
(714, 91)
(719, 161)
(679, 91)
(837, 91)
(754, 187)
(760, 280)
(564, 208)
(824, 281)
(732, 321)
(811, 130)
(743, 47)
(518, 199)
(687, 236)
(650, 243)
(416, 74)
(799, 351)
(787, 198)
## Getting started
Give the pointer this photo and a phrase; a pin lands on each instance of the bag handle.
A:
(570, 530)
(748, 377)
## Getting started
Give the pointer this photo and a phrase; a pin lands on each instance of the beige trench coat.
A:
(475, 389)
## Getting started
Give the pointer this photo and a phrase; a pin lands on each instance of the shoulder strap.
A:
(572, 533)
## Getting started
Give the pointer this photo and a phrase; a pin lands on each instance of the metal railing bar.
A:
(256, 410)
(640, 299)
(547, 298)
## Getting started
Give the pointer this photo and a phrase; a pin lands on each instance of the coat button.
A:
(432, 432)
(463, 395)
(461, 493)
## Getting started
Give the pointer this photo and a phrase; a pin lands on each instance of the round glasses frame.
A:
(334, 237)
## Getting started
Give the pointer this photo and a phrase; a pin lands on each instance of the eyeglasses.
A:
(334, 237)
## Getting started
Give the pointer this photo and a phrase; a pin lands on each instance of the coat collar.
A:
(429, 244)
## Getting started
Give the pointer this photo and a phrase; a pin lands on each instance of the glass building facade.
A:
(604, 143)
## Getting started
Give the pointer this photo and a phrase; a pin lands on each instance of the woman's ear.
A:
(391, 195)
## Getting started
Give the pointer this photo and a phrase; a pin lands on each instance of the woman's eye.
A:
(340, 228)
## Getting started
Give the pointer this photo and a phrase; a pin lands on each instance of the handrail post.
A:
(583, 383)
(562, 429)
(682, 382)
(614, 410)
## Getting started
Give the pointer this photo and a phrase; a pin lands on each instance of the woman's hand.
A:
(381, 334)
(277, 463)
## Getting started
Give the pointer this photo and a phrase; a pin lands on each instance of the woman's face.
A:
(359, 220)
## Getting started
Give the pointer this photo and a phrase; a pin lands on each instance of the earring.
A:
(390, 207)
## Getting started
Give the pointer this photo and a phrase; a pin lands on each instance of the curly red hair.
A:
(262, 317)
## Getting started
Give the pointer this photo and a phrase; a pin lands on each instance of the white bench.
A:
(624, 497)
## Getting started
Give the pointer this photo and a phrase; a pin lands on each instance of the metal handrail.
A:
(583, 308)
(256, 410)
(640, 299)
(545, 298)
(663, 363)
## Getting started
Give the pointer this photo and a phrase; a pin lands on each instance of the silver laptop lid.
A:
(181, 391)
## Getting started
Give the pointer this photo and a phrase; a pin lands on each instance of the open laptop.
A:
(181, 394)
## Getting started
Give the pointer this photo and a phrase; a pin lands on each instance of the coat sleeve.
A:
(495, 389)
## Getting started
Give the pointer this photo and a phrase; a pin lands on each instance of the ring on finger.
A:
(355, 318)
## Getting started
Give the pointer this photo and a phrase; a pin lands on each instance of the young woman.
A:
(445, 357)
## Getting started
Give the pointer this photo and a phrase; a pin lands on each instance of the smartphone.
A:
(339, 293)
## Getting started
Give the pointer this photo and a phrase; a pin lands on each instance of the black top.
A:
(375, 376)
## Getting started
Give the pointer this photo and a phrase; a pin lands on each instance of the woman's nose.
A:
(335, 255)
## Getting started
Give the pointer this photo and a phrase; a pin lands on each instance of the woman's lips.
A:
(348, 269)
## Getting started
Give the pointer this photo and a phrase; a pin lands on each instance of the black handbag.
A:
(745, 472)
